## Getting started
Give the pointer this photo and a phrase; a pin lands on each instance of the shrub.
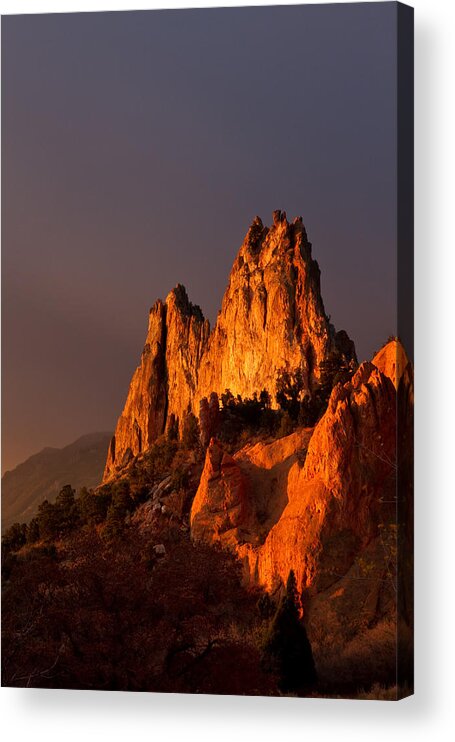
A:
(93, 506)
(15, 537)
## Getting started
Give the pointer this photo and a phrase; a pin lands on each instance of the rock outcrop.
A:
(226, 515)
(272, 318)
(392, 361)
(323, 502)
(165, 381)
(336, 501)
(315, 513)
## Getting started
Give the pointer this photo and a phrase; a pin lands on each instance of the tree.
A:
(66, 508)
(48, 521)
(289, 388)
(93, 507)
(227, 399)
(33, 531)
(14, 538)
(334, 370)
(265, 399)
(115, 522)
(287, 651)
(121, 505)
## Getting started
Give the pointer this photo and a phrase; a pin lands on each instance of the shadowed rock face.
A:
(272, 317)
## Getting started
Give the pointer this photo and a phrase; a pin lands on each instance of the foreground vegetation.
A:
(106, 590)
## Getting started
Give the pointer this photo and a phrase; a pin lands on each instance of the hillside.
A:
(44, 474)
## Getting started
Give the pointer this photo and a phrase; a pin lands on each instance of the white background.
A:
(75, 715)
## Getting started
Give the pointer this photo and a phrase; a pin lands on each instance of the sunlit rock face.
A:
(272, 315)
(392, 361)
(316, 498)
(165, 380)
(341, 494)
(323, 502)
(187, 333)
(226, 514)
(272, 318)
(144, 414)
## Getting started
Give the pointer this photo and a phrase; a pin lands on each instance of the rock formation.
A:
(272, 315)
(323, 503)
(272, 318)
(308, 516)
(165, 381)
(392, 360)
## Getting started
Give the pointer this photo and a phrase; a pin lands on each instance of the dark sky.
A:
(138, 147)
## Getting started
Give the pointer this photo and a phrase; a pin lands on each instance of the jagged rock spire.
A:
(272, 318)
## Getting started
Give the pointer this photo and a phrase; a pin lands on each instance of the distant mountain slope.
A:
(44, 474)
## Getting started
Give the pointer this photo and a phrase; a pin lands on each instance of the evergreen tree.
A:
(66, 508)
(115, 522)
(48, 521)
(265, 399)
(287, 651)
(93, 507)
(14, 538)
(289, 388)
(33, 531)
(334, 370)
(117, 512)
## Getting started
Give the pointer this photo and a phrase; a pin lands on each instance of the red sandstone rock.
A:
(321, 514)
(272, 317)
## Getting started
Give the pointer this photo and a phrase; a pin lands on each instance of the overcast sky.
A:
(137, 148)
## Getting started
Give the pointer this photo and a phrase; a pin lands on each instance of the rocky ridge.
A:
(333, 480)
(272, 318)
(322, 502)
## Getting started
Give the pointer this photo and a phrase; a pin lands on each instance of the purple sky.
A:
(138, 147)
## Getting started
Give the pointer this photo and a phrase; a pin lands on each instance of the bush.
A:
(48, 521)
(103, 617)
(93, 507)
(241, 419)
(289, 387)
(33, 533)
(159, 458)
(14, 538)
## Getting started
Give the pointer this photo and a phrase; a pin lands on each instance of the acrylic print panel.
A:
(244, 524)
